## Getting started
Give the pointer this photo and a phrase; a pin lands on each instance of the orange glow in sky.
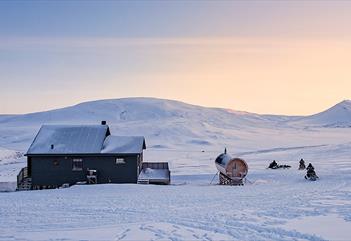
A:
(273, 57)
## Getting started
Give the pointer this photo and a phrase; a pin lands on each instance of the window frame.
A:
(75, 167)
(120, 161)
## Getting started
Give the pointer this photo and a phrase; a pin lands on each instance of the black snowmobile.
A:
(274, 165)
(302, 165)
(311, 174)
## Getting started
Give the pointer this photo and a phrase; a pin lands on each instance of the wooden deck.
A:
(155, 173)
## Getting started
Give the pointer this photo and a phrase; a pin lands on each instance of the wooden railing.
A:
(155, 165)
(22, 175)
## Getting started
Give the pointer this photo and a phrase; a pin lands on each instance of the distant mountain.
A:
(164, 123)
(172, 124)
(124, 110)
(337, 116)
(138, 109)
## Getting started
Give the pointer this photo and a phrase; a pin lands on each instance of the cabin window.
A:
(77, 164)
(56, 163)
(120, 161)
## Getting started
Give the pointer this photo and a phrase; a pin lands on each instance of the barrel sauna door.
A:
(238, 169)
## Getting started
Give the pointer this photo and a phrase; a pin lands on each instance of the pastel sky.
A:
(277, 57)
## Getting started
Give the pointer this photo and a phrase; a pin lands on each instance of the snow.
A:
(331, 226)
(149, 173)
(123, 144)
(65, 139)
(11, 162)
(251, 212)
(139, 231)
(6, 155)
(8, 186)
(272, 205)
(336, 116)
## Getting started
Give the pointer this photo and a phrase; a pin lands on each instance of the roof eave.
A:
(81, 154)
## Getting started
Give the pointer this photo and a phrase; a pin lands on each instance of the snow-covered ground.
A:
(273, 205)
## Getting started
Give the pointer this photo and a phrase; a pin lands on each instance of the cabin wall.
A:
(57, 170)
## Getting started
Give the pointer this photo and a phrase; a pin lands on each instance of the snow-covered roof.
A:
(124, 144)
(69, 139)
(83, 139)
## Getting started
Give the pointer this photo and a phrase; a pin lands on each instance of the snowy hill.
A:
(152, 109)
(168, 123)
(161, 121)
(336, 116)
(133, 109)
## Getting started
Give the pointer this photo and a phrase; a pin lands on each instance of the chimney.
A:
(52, 146)
(103, 123)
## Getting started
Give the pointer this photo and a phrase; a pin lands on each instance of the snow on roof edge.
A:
(104, 144)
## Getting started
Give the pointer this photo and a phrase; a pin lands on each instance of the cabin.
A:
(70, 154)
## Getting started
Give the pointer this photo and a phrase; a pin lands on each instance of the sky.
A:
(271, 57)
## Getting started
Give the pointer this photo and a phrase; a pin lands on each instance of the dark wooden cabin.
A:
(69, 154)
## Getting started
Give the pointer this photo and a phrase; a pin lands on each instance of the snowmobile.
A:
(311, 174)
(302, 165)
(274, 165)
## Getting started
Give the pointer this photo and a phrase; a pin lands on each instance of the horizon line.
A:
(165, 99)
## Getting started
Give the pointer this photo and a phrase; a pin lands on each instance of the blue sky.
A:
(59, 53)
(172, 18)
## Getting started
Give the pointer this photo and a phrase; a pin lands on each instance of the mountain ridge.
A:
(338, 115)
(153, 109)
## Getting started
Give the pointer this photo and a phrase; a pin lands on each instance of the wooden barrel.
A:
(233, 168)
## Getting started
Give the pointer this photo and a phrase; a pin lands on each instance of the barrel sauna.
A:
(232, 171)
